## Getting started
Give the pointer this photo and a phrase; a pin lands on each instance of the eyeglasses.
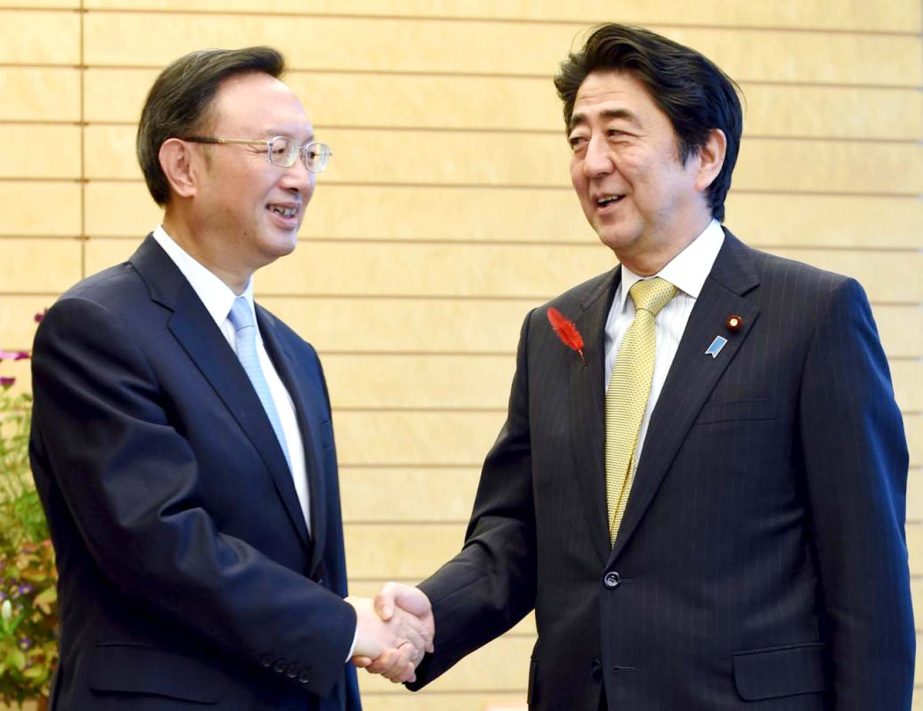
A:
(280, 150)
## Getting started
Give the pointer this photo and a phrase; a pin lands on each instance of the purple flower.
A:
(25, 643)
(6, 381)
(25, 589)
(13, 355)
(39, 317)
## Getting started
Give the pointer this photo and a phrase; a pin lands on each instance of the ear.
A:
(179, 163)
(711, 159)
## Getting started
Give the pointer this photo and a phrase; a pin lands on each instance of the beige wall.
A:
(446, 212)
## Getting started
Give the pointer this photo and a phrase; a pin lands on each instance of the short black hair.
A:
(687, 86)
(178, 104)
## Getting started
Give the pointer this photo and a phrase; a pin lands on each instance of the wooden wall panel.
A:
(39, 151)
(913, 424)
(893, 16)
(483, 214)
(40, 208)
(17, 319)
(356, 325)
(369, 157)
(444, 494)
(31, 37)
(447, 213)
(32, 265)
(39, 94)
(499, 270)
(529, 104)
(445, 438)
(482, 47)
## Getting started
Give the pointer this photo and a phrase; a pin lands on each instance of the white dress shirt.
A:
(218, 299)
(687, 271)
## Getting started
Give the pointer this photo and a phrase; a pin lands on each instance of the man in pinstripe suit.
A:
(761, 561)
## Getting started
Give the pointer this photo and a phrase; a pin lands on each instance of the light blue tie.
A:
(241, 318)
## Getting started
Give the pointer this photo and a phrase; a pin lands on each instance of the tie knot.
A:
(652, 294)
(240, 315)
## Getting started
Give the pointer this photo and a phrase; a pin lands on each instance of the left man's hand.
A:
(396, 602)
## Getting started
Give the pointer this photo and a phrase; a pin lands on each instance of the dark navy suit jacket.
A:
(761, 562)
(188, 578)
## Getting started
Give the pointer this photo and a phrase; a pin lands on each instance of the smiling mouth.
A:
(283, 211)
(608, 200)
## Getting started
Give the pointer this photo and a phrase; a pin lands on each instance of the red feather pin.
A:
(566, 331)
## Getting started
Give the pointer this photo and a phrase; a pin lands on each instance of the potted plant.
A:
(28, 577)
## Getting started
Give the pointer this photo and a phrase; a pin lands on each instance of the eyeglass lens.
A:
(283, 152)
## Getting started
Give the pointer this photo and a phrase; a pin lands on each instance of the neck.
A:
(651, 260)
(201, 250)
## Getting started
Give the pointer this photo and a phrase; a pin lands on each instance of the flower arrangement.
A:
(28, 577)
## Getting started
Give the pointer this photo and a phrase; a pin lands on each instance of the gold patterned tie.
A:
(626, 398)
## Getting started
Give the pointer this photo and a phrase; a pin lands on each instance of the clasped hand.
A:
(393, 631)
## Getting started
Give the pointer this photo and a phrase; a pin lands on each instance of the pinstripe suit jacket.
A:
(761, 562)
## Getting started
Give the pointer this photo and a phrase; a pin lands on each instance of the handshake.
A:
(393, 631)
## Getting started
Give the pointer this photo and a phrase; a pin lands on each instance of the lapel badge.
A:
(715, 348)
(734, 323)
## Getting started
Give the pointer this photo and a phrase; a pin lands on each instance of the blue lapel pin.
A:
(715, 348)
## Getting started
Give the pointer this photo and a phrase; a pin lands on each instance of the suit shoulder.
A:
(114, 288)
(581, 295)
(774, 269)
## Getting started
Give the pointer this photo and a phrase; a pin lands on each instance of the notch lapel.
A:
(693, 374)
(287, 366)
(198, 335)
(587, 406)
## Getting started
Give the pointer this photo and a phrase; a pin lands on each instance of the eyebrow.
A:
(576, 119)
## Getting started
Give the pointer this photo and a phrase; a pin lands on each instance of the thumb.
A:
(385, 601)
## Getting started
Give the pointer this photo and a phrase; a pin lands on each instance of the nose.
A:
(597, 159)
(299, 179)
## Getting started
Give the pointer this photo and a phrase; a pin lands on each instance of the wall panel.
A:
(40, 208)
(447, 213)
(31, 37)
(370, 157)
(894, 16)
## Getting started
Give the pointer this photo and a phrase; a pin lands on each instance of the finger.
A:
(361, 662)
(385, 601)
(403, 666)
(414, 638)
(385, 663)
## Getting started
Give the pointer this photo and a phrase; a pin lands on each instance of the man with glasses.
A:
(182, 443)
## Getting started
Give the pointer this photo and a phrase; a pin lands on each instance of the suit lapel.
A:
(693, 374)
(197, 333)
(587, 398)
(287, 365)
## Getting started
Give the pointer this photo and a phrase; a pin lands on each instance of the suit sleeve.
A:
(855, 458)
(129, 481)
(490, 585)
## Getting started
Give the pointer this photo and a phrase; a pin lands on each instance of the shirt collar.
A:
(688, 270)
(214, 293)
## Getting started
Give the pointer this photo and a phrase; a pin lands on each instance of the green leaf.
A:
(16, 659)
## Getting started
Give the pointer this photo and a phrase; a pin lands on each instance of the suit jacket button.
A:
(266, 660)
(596, 670)
(611, 580)
(280, 666)
(292, 671)
(304, 677)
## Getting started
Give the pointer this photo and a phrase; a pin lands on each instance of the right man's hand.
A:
(393, 601)
(391, 646)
